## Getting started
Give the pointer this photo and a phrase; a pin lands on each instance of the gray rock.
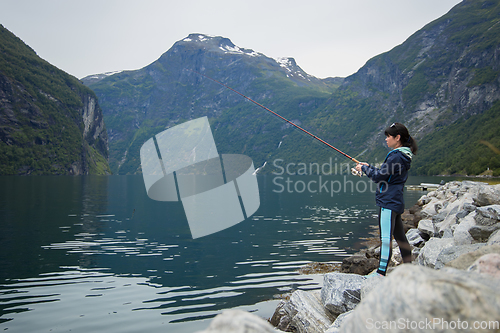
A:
(445, 227)
(471, 187)
(426, 227)
(359, 264)
(467, 259)
(466, 198)
(430, 252)
(487, 195)
(432, 194)
(488, 215)
(304, 312)
(494, 238)
(463, 213)
(415, 293)
(424, 200)
(239, 321)
(447, 218)
(453, 252)
(487, 264)
(414, 237)
(448, 232)
(396, 258)
(341, 292)
(335, 328)
(461, 235)
(431, 208)
(370, 283)
(468, 207)
(482, 279)
(415, 252)
(482, 233)
(439, 217)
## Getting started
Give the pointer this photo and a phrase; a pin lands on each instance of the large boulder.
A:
(359, 263)
(303, 313)
(487, 264)
(467, 259)
(461, 234)
(424, 200)
(341, 292)
(466, 210)
(426, 227)
(487, 195)
(471, 188)
(428, 255)
(239, 321)
(487, 222)
(370, 284)
(414, 237)
(431, 208)
(453, 252)
(494, 238)
(482, 233)
(447, 217)
(488, 215)
(335, 328)
(416, 299)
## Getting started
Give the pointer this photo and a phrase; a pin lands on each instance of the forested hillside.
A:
(443, 82)
(50, 123)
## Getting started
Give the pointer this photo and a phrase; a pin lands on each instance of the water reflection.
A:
(95, 254)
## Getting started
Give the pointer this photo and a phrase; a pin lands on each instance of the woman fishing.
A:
(390, 179)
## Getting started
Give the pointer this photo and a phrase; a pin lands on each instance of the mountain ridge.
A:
(168, 91)
(446, 71)
(442, 75)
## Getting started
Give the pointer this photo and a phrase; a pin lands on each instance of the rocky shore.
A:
(452, 284)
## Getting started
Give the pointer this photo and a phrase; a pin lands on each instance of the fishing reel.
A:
(356, 172)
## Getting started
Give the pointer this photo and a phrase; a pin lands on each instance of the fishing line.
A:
(277, 115)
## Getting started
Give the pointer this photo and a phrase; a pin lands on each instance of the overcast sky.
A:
(326, 37)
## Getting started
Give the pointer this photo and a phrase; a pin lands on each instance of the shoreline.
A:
(454, 232)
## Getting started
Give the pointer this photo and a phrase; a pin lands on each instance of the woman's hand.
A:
(359, 165)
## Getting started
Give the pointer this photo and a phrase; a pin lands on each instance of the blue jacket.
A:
(391, 178)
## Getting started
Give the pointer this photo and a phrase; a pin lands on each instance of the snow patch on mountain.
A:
(225, 44)
(236, 50)
(291, 67)
(286, 63)
(197, 38)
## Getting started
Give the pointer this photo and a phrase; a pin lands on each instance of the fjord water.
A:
(94, 254)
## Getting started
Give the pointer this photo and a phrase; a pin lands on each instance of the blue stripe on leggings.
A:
(385, 235)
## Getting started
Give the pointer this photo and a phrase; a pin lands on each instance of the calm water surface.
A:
(95, 254)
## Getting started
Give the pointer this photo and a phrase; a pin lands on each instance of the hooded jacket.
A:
(390, 179)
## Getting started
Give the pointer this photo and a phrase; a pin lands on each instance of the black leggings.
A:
(390, 224)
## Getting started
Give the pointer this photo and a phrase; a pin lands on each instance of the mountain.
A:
(138, 104)
(50, 123)
(442, 82)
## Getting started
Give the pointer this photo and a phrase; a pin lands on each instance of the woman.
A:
(390, 179)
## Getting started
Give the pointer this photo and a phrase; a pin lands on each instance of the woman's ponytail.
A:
(412, 144)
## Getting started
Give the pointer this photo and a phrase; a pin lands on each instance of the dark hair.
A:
(406, 139)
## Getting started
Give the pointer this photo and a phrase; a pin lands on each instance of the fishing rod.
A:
(283, 118)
